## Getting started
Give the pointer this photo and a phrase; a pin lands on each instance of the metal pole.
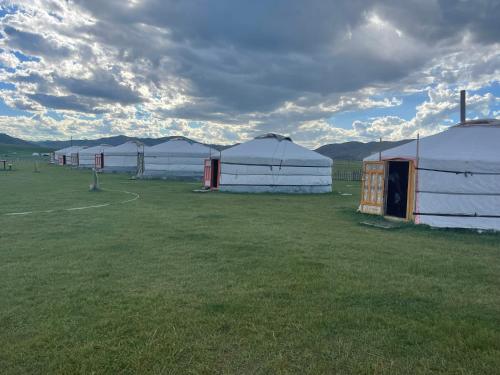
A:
(462, 106)
(380, 150)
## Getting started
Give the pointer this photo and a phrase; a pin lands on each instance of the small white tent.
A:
(124, 158)
(451, 179)
(87, 157)
(273, 163)
(178, 158)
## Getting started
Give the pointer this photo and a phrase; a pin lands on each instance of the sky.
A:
(225, 71)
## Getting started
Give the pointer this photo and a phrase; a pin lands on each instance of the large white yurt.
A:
(271, 163)
(126, 157)
(451, 179)
(178, 158)
(92, 157)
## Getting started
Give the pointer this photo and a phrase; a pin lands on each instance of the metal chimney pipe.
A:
(462, 106)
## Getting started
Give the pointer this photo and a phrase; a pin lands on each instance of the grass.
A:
(178, 282)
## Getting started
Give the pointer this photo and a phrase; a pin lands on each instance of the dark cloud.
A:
(257, 25)
(102, 85)
(67, 102)
(34, 44)
(243, 56)
(440, 20)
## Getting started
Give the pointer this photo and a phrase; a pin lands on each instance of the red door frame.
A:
(207, 174)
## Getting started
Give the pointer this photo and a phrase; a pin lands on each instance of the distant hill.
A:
(8, 140)
(356, 150)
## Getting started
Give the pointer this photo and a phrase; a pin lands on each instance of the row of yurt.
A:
(269, 163)
(176, 158)
(451, 179)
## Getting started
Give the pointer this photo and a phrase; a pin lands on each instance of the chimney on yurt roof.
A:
(462, 107)
(477, 122)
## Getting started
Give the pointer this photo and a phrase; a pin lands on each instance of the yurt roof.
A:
(73, 149)
(474, 144)
(61, 151)
(273, 149)
(181, 145)
(95, 149)
(127, 147)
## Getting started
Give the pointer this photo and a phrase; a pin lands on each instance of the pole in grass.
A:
(95, 186)
(35, 167)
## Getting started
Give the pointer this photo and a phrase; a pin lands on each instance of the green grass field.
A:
(178, 282)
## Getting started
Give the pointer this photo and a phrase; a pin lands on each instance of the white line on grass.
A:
(135, 197)
(87, 207)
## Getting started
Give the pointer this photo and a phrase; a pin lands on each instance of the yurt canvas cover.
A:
(453, 177)
(123, 158)
(67, 152)
(176, 158)
(87, 156)
(273, 163)
(59, 154)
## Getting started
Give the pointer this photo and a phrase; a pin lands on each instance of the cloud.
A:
(228, 70)
(67, 102)
(8, 60)
(101, 85)
(34, 44)
(432, 116)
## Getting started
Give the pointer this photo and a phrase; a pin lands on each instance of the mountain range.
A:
(336, 151)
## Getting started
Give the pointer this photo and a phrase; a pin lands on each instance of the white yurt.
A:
(451, 179)
(60, 156)
(73, 155)
(68, 155)
(177, 158)
(126, 157)
(89, 156)
(271, 163)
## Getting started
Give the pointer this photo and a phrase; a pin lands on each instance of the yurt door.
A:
(207, 175)
(215, 172)
(397, 189)
(372, 188)
(74, 159)
(99, 161)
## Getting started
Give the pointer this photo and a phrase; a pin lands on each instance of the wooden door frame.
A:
(410, 189)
